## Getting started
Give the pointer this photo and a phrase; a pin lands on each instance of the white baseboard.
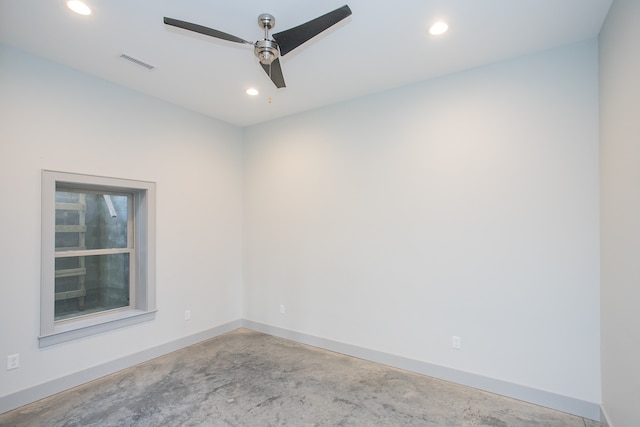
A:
(32, 394)
(547, 399)
(604, 417)
(527, 394)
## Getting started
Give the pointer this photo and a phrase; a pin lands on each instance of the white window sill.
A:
(94, 325)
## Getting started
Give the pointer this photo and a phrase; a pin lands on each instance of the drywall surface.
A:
(620, 180)
(464, 206)
(52, 117)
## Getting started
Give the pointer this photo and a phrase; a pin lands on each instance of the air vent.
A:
(137, 62)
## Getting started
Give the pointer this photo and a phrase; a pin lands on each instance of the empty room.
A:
(274, 213)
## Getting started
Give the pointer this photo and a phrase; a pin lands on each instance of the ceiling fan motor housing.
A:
(267, 51)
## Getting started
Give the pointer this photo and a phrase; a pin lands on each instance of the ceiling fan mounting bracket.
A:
(267, 21)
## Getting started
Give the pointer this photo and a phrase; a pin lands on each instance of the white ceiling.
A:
(382, 45)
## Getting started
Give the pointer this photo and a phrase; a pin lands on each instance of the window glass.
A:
(91, 220)
(87, 280)
(90, 284)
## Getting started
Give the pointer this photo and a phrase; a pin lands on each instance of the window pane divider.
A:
(91, 252)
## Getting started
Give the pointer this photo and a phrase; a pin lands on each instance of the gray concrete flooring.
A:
(246, 378)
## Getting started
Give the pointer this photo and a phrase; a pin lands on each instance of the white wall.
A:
(466, 205)
(620, 180)
(52, 117)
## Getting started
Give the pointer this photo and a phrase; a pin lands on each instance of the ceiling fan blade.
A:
(274, 72)
(204, 30)
(294, 37)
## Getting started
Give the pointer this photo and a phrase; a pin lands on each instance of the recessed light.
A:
(438, 28)
(252, 91)
(79, 7)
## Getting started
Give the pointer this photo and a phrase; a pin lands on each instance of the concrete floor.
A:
(246, 378)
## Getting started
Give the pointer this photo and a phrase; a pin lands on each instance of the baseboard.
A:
(558, 402)
(32, 394)
(527, 394)
(604, 417)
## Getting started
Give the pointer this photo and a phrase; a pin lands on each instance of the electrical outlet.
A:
(13, 361)
(187, 315)
(456, 342)
(282, 309)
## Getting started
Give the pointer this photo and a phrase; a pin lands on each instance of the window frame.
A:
(143, 301)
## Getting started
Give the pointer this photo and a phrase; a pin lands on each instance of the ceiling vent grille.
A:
(137, 62)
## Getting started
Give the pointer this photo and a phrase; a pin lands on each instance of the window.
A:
(98, 258)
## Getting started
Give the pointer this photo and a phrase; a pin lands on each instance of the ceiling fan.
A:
(269, 50)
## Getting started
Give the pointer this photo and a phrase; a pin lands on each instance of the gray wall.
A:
(465, 205)
(620, 182)
(52, 117)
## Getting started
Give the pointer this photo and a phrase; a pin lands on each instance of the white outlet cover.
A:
(456, 342)
(13, 361)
